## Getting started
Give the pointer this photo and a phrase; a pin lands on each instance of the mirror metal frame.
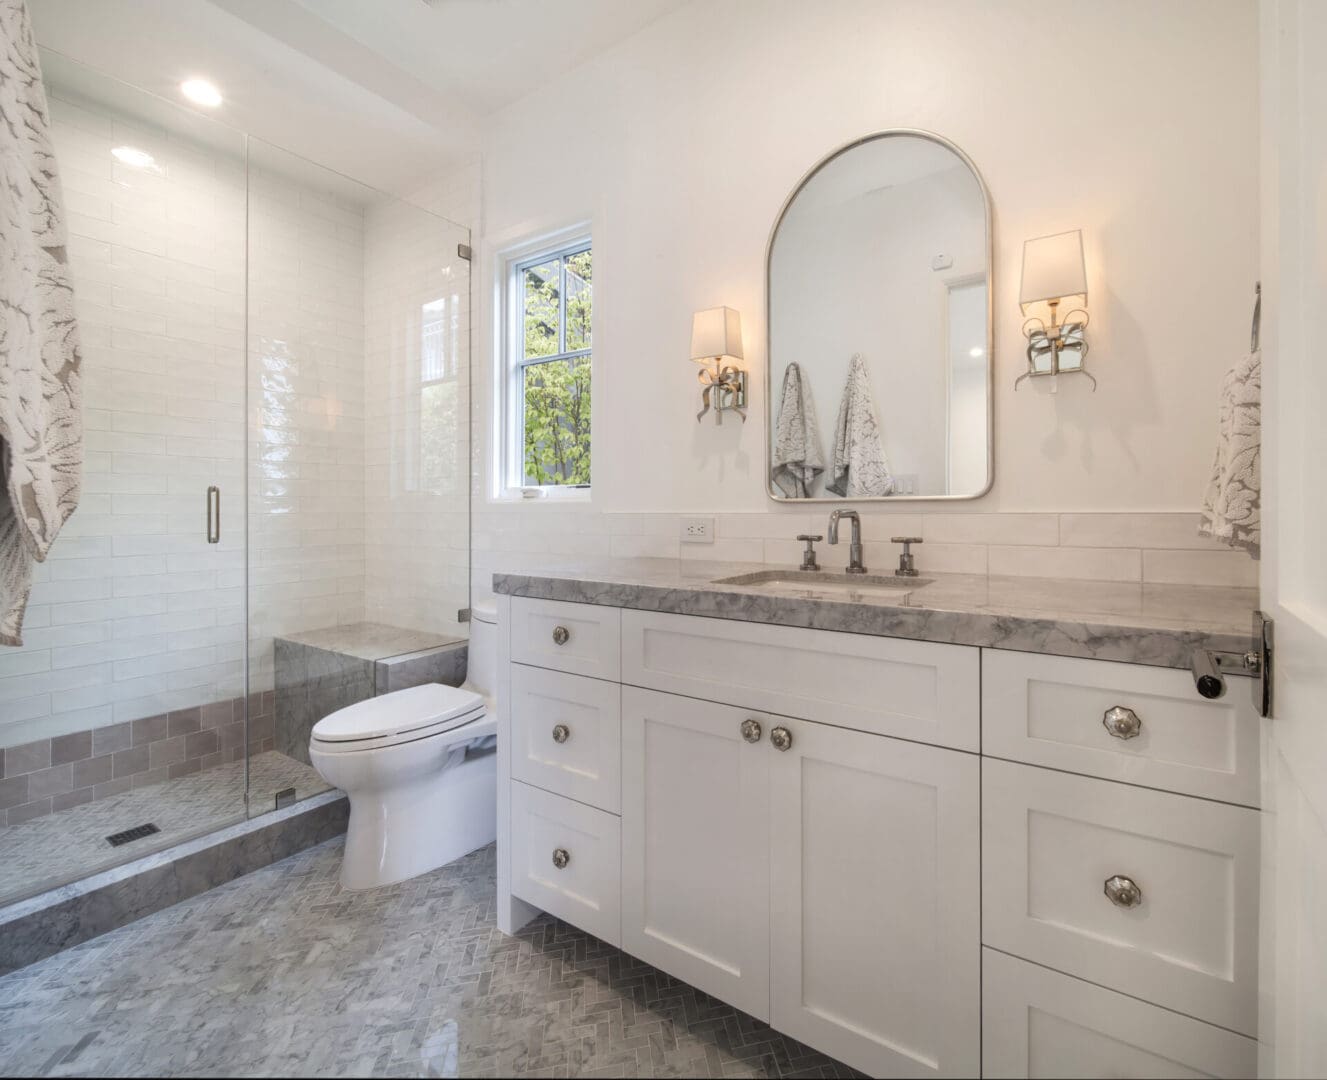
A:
(887, 133)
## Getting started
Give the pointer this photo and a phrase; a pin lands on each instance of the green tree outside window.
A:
(557, 308)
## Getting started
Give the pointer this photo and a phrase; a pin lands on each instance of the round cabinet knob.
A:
(561, 635)
(561, 733)
(1122, 723)
(751, 730)
(782, 738)
(561, 856)
(1123, 892)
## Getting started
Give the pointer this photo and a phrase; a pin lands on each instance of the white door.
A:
(1293, 1024)
(875, 874)
(695, 843)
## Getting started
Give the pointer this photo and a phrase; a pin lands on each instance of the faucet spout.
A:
(855, 565)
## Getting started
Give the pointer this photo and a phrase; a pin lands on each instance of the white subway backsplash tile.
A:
(1165, 567)
(1084, 564)
(1176, 531)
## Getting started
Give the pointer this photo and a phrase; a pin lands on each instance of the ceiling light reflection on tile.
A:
(131, 155)
(201, 92)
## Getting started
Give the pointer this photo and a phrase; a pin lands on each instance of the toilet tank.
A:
(481, 664)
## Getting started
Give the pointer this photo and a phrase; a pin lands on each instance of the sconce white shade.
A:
(1053, 269)
(716, 332)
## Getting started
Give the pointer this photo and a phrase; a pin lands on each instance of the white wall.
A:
(686, 139)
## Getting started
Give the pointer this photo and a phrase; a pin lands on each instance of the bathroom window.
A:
(550, 297)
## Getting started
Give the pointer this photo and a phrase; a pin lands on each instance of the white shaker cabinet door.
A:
(695, 844)
(875, 885)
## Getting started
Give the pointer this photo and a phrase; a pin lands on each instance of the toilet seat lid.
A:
(433, 707)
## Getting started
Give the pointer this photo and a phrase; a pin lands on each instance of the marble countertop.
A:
(370, 640)
(1131, 622)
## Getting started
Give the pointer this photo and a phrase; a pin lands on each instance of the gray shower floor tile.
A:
(282, 973)
(71, 844)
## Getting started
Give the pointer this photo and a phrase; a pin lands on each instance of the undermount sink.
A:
(821, 581)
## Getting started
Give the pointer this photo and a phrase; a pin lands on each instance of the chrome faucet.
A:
(855, 548)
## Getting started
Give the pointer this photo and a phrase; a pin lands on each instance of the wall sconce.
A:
(1053, 271)
(716, 336)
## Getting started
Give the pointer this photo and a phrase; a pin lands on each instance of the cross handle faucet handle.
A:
(906, 564)
(809, 555)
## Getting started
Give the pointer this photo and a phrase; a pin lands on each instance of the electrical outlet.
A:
(698, 530)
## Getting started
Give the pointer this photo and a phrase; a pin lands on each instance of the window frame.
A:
(512, 363)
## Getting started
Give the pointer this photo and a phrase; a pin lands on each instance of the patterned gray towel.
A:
(41, 425)
(859, 456)
(1232, 510)
(797, 457)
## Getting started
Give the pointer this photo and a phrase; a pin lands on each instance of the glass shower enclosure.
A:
(275, 511)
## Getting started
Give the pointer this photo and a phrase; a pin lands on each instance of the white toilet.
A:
(419, 770)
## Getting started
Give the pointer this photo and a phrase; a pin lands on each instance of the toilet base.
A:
(395, 835)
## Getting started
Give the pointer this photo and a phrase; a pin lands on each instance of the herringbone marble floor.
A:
(281, 973)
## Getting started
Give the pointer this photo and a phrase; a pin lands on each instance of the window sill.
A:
(549, 497)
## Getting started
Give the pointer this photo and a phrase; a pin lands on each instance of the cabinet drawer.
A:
(915, 690)
(586, 891)
(1050, 843)
(583, 639)
(1037, 1022)
(566, 735)
(1050, 710)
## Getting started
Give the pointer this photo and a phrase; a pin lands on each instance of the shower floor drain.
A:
(130, 835)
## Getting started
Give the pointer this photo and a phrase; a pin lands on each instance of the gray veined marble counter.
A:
(1131, 622)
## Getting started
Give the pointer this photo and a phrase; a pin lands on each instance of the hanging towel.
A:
(1232, 511)
(41, 427)
(797, 457)
(859, 457)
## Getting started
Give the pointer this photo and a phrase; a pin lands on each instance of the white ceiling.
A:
(386, 91)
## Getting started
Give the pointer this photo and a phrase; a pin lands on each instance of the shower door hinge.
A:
(285, 797)
(463, 615)
(463, 252)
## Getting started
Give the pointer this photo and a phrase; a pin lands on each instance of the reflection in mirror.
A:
(879, 326)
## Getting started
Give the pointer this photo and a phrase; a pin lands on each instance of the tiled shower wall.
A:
(417, 399)
(135, 615)
(306, 395)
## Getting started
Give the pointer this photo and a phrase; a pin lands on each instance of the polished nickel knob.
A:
(751, 730)
(781, 737)
(561, 856)
(1123, 892)
(1122, 723)
(561, 733)
(561, 635)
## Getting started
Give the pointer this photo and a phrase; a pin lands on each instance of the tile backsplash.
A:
(1158, 548)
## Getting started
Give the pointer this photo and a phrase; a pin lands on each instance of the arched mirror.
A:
(878, 280)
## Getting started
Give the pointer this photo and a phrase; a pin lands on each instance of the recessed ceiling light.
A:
(201, 92)
(131, 155)
(976, 351)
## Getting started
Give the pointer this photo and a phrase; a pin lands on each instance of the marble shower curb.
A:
(45, 924)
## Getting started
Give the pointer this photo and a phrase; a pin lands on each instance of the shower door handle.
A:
(213, 514)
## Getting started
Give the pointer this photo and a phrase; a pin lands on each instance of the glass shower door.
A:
(122, 714)
(359, 455)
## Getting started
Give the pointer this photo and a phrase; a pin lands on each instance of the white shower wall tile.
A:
(417, 465)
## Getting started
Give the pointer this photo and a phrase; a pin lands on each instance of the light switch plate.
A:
(698, 530)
